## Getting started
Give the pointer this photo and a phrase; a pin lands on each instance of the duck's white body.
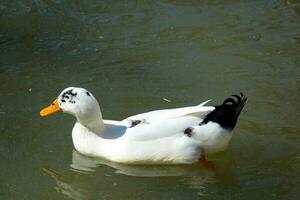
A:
(158, 137)
(159, 142)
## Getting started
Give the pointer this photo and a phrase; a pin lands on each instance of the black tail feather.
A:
(227, 114)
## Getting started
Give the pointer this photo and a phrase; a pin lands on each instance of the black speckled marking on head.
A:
(188, 132)
(69, 96)
(69, 92)
(134, 123)
(87, 93)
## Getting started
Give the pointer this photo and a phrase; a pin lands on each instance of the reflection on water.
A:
(63, 185)
(86, 164)
(89, 171)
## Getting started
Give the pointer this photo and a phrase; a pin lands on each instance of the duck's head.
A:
(78, 102)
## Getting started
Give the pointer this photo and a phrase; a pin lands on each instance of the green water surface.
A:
(132, 55)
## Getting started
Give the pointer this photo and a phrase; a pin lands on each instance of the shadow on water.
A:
(88, 175)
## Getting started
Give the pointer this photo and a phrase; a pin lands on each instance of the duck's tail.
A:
(227, 114)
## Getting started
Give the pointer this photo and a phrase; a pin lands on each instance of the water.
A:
(131, 55)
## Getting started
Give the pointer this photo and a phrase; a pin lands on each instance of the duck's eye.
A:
(67, 97)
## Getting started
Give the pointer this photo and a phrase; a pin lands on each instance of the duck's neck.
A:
(94, 126)
(92, 120)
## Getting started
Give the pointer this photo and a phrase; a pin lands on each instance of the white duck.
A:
(170, 136)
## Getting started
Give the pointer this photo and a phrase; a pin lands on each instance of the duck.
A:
(169, 136)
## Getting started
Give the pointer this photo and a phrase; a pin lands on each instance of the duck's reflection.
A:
(64, 185)
(84, 164)
(89, 177)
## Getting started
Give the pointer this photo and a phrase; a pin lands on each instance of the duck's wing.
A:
(198, 111)
(156, 130)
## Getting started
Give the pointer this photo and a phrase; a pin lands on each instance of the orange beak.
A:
(53, 108)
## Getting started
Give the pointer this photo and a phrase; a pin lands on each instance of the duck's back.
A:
(199, 111)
